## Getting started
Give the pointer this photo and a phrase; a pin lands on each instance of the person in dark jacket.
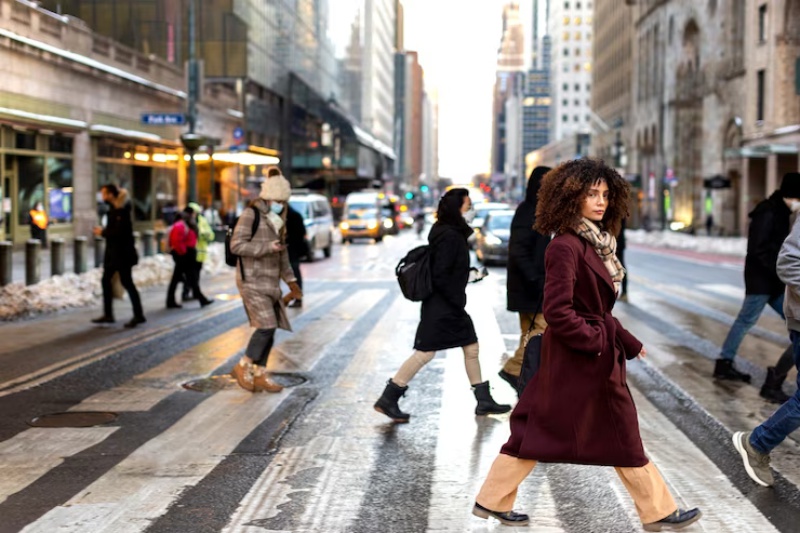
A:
(525, 279)
(120, 255)
(769, 227)
(297, 246)
(577, 408)
(444, 322)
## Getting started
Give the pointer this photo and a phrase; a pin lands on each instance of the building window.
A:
(577, 21)
(762, 23)
(566, 5)
(578, 5)
(566, 86)
(577, 67)
(565, 36)
(760, 92)
(565, 102)
(564, 118)
(577, 102)
(566, 52)
(59, 189)
(577, 86)
(566, 21)
(575, 118)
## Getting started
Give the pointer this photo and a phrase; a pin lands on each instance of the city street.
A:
(189, 451)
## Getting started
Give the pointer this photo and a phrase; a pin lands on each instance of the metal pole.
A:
(149, 237)
(99, 251)
(6, 262)
(56, 257)
(160, 234)
(33, 266)
(192, 98)
(80, 255)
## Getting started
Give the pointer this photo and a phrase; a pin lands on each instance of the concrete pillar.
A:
(772, 174)
(33, 262)
(57, 257)
(80, 254)
(85, 186)
(6, 262)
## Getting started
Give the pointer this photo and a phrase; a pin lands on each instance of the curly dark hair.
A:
(564, 189)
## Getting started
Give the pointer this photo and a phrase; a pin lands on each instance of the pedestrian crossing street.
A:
(339, 467)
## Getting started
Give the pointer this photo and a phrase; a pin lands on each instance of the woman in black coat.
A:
(444, 322)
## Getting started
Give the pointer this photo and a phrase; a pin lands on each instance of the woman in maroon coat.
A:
(577, 408)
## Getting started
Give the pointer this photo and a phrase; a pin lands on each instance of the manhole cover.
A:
(217, 383)
(77, 419)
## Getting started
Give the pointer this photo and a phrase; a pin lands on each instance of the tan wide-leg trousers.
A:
(514, 365)
(645, 485)
(419, 359)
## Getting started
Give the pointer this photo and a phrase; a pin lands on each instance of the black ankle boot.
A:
(387, 403)
(723, 369)
(772, 390)
(486, 404)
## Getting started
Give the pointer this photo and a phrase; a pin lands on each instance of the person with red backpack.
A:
(183, 243)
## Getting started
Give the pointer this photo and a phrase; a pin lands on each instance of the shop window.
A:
(142, 196)
(166, 185)
(60, 144)
(112, 174)
(59, 189)
(25, 141)
(30, 181)
(762, 23)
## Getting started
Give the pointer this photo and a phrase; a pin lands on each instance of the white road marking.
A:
(141, 487)
(330, 471)
(145, 390)
(723, 289)
(29, 455)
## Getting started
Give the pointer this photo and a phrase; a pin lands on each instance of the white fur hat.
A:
(276, 188)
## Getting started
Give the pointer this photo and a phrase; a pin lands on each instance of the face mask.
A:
(276, 208)
(469, 215)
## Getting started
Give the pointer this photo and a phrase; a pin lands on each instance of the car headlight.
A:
(344, 226)
(372, 225)
(388, 223)
(492, 240)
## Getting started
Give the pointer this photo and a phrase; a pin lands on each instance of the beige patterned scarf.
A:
(605, 245)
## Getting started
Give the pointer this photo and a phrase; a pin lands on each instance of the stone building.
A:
(715, 107)
(71, 110)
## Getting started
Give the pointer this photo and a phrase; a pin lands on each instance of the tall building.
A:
(509, 84)
(689, 86)
(380, 27)
(536, 106)
(612, 91)
(414, 110)
(570, 27)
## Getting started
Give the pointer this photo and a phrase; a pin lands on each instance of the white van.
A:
(318, 217)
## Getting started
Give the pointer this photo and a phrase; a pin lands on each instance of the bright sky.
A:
(457, 43)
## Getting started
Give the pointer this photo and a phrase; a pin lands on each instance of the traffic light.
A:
(409, 196)
(423, 188)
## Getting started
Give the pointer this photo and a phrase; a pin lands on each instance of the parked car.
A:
(316, 212)
(492, 241)
(481, 211)
(362, 217)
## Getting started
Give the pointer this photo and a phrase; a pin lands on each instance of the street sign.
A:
(163, 119)
(238, 134)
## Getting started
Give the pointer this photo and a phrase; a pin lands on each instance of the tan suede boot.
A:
(243, 374)
(263, 383)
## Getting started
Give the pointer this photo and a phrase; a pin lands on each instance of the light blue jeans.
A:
(748, 316)
(786, 419)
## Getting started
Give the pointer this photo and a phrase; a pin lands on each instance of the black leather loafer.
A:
(509, 518)
(676, 521)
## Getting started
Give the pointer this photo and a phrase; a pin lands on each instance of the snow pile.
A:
(72, 290)
(734, 246)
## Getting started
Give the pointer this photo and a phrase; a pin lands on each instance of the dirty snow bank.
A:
(733, 246)
(72, 290)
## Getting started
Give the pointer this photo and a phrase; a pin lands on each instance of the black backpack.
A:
(231, 259)
(414, 274)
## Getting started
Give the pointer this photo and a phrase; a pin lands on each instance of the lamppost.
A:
(191, 141)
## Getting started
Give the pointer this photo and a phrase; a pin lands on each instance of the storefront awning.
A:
(37, 118)
(241, 155)
(761, 150)
(102, 129)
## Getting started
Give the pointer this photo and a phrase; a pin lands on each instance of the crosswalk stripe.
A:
(147, 389)
(300, 353)
(331, 465)
(694, 479)
(29, 455)
(141, 487)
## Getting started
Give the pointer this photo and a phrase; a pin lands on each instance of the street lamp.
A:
(190, 140)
